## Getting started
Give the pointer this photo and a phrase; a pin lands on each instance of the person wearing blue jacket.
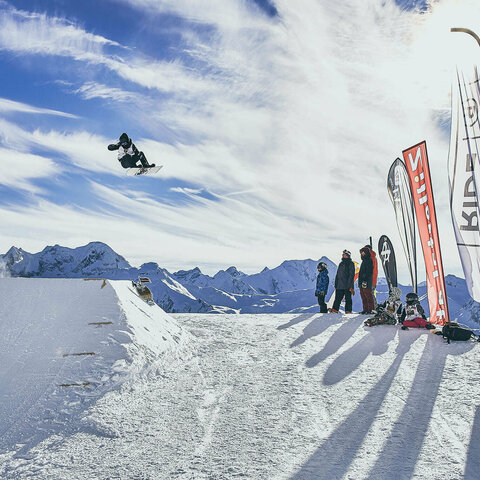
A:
(322, 286)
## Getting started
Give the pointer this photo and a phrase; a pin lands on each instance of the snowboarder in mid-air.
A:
(128, 154)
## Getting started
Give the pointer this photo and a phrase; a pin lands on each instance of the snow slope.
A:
(278, 397)
(65, 344)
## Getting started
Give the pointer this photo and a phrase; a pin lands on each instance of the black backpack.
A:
(451, 331)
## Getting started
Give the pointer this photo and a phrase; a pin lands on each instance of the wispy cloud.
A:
(19, 169)
(39, 34)
(231, 15)
(91, 90)
(7, 105)
(71, 148)
(187, 191)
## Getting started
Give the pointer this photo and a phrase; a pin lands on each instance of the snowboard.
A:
(143, 171)
(331, 300)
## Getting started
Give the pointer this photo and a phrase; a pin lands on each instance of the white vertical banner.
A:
(464, 170)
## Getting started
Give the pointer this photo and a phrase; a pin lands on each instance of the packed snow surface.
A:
(64, 344)
(286, 396)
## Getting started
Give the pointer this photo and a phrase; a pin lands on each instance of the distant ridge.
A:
(287, 288)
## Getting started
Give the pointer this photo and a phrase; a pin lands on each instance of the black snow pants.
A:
(130, 161)
(321, 302)
(339, 294)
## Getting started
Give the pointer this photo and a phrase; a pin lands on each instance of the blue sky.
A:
(276, 124)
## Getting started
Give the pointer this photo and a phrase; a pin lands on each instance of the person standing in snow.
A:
(344, 283)
(322, 286)
(413, 314)
(365, 279)
(128, 154)
(373, 256)
(389, 312)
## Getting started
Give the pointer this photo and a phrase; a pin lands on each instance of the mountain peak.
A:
(190, 276)
(193, 271)
(57, 261)
(13, 256)
(234, 272)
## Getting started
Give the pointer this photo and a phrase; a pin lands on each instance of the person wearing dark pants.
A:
(344, 283)
(340, 294)
(322, 286)
(128, 153)
(365, 279)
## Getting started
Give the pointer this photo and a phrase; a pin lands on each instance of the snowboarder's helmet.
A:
(124, 140)
(346, 252)
(412, 297)
(322, 266)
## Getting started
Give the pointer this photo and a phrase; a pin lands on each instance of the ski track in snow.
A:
(286, 396)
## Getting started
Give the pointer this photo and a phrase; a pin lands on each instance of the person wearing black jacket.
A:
(128, 154)
(365, 279)
(344, 283)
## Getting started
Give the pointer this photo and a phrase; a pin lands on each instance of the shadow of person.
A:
(333, 458)
(376, 342)
(301, 318)
(316, 327)
(335, 342)
(472, 468)
(400, 452)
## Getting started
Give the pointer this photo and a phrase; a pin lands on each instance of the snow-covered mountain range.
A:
(286, 288)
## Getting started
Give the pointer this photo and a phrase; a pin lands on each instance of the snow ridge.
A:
(66, 344)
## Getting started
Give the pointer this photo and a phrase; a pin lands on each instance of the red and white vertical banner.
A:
(416, 161)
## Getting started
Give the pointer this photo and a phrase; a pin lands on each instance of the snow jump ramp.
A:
(64, 343)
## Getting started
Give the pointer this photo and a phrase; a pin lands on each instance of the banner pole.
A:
(467, 30)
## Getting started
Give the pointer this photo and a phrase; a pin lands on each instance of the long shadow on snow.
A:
(335, 342)
(472, 467)
(316, 327)
(333, 458)
(294, 321)
(375, 342)
(401, 451)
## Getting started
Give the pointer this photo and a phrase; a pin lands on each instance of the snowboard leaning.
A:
(143, 171)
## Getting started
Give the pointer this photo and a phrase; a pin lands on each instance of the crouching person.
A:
(413, 314)
(389, 311)
(322, 286)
